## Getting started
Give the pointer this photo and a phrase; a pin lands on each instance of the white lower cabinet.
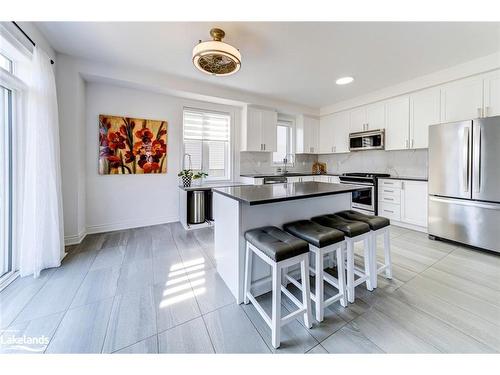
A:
(404, 202)
(414, 203)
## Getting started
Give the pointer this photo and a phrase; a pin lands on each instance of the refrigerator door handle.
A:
(476, 179)
(466, 159)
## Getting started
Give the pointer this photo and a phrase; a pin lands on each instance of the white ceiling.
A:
(292, 61)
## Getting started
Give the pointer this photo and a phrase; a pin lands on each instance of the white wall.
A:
(122, 201)
(125, 201)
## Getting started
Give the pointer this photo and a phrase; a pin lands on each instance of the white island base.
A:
(233, 218)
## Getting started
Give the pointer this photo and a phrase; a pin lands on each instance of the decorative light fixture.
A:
(216, 57)
(344, 80)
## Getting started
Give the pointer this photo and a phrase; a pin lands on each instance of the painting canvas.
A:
(132, 145)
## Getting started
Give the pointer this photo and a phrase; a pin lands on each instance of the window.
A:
(284, 143)
(207, 141)
(5, 182)
(5, 63)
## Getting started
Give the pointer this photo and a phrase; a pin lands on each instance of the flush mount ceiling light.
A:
(216, 57)
(344, 80)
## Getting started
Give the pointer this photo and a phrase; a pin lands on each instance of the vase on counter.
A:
(186, 181)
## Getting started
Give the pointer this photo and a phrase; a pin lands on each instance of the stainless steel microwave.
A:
(367, 140)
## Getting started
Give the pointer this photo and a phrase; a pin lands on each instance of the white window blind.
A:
(207, 139)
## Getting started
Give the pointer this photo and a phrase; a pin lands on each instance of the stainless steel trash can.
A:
(197, 207)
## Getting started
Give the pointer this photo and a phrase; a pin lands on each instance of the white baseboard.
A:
(409, 226)
(129, 224)
(101, 228)
(75, 239)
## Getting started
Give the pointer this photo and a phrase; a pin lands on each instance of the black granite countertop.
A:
(262, 194)
(211, 185)
(290, 174)
(408, 178)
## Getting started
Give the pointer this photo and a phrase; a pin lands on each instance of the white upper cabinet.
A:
(375, 116)
(269, 130)
(258, 132)
(334, 133)
(326, 141)
(397, 122)
(492, 94)
(425, 110)
(341, 132)
(357, 120)
(307, 135)
(369, 117)
(462, 100)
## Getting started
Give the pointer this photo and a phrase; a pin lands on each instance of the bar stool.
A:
(322, 241)
(354, 231)
(280, 250)
(379, 226)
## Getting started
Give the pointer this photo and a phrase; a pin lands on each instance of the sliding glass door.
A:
(5, 183)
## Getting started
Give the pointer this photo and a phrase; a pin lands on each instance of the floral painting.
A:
(131, 145)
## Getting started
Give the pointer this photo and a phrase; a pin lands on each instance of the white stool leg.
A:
(284, 272)
(248, 274)
(341, 275)
(350, 271)
(318, 290)
(276, 307)
(387, 254)
(368, 261)
(306, 293)
(373, 256)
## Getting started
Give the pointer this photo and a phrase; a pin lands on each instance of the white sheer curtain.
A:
(41, 242)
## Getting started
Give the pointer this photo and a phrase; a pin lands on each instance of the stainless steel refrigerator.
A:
(464, 182)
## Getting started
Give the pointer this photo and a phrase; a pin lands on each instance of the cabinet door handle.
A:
(486, 111)
(406, 143)
(479, 112)
(388, 199)
(412, 141)
(389, 211)
(388, 191)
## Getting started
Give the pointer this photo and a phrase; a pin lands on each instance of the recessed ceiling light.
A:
(344, 80)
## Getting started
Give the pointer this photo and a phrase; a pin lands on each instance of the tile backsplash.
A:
(409, 163)
(261, 162)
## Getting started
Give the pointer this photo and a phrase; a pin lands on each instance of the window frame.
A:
(18, 93)
(229, 158)
(290, 124)
(11, 63)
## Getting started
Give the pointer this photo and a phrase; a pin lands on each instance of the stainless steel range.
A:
(364, 201)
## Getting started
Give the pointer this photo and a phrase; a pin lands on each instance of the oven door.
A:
(363, 200)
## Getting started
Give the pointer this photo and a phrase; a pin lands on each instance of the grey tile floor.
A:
(156, 290)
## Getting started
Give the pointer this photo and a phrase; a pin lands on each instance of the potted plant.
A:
(200, 176)
(186, 175)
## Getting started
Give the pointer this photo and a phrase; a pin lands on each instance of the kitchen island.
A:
(240, 208)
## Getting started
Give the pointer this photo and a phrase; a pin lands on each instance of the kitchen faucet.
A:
(285, 161)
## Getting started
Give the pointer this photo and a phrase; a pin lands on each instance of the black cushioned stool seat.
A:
(314, 233)
(375, 222)
(350, 228)
(276, 243)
